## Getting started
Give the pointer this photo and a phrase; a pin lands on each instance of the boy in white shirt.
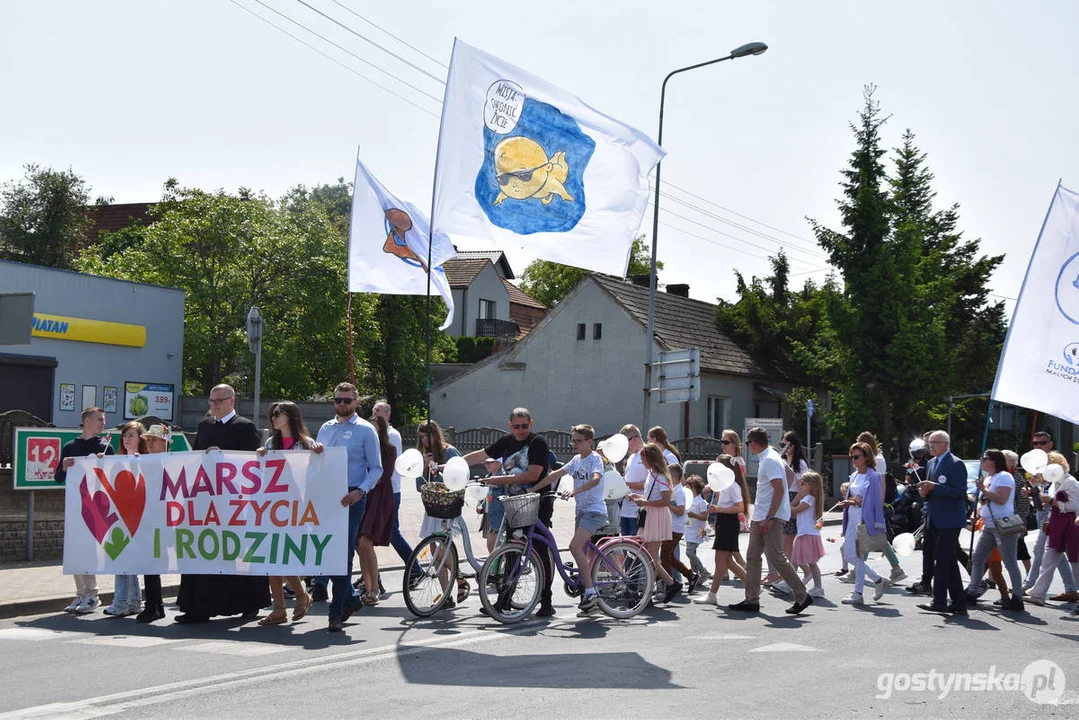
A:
(586, 468)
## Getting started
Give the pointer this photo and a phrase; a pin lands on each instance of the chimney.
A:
(640, 280)
(679, 289)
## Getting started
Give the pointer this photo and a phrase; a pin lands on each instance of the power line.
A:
(384, 30)
(333, 59)
(349, 52)
(337, 22)
(744, 217)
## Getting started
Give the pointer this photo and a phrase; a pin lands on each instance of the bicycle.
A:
(427, 591)
(511, 580)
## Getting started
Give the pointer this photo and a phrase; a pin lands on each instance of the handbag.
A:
(1009, 524)
(866, 543)
(642, 513)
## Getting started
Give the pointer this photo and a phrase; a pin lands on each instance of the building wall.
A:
(58, 292)
(486, 285)
(561, 379)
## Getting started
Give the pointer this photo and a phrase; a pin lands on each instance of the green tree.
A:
(549, 282)
(43, 217)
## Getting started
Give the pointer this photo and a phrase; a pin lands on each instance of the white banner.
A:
(1039, 367)
(525, 164)
(388, 245)
(208, 512)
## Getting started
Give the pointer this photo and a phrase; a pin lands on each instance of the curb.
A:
(57, 603)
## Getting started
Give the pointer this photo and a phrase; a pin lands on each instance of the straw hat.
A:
(158, 431)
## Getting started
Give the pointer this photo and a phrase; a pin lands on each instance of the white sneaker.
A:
(854, 598)
(817, 592)
(709, 599)
(878, 591)
(74, 604)
(133, 608)
(116, 610)
(782, 587)
(897, 574)
(88, 605)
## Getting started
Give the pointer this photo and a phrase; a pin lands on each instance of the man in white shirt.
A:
(636, 474)
(383, 410)
(770, 510)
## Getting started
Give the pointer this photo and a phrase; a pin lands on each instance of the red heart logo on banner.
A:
(96, 511)
(128, 496)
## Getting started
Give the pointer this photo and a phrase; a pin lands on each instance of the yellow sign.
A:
(59, 327)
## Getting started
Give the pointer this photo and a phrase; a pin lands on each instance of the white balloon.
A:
(903, 544)
(964, 538)
(409, 464)
(475, 493)
(615, 447)
(614, 485)
(565, 483)
(720, 477)
(1052, 473)
(455, 474)
(1034, 461)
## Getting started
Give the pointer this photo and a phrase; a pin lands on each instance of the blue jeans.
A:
(342, 584)
(397, 540)
(628, 525)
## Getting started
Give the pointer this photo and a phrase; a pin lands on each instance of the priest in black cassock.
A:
(203, 596)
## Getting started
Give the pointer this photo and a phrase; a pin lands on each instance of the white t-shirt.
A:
(395, 440)
(582, 469)
(654, 487)
(881, 466)
(729, 496)
(771, 467)
(636, 472)
(678, 497)
(670, 458)
(1000, 480)
(800, 470)
(807, 519)
(695, 529)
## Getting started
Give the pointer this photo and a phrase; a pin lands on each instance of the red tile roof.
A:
(520, 297)
(462, 271)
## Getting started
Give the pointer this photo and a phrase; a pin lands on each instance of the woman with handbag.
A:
(1002, 528)
(863, 521)
(1061, 531)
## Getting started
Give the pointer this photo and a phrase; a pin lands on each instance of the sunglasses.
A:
(1039, 443)
(343, 400)
(275, 413)
(726, 442)
(515, 426)
(857, 457)
(633, 437)
(522, 175)
(577, 441)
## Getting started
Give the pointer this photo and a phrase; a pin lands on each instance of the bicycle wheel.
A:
(623, 578)
(510, 583)
(436, 556)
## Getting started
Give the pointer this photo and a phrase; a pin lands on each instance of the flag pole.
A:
(351, 357)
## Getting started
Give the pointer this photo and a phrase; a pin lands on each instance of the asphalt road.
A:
(681, 660)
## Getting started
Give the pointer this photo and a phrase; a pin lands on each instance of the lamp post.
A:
(753, 48)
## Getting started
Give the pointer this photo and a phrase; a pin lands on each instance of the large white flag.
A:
(523, 164)
(1039, 368)
(388, 245)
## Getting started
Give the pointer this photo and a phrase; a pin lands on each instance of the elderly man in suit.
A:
(945, 489)
(203, 596)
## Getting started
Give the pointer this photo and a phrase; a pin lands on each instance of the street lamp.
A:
(753, 48)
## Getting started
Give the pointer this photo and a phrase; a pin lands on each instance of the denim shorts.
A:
(591, 521)
(496, 512)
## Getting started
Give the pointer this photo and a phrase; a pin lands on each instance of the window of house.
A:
(487, 309)
(718, 411)
(597, 331)
(580, 331)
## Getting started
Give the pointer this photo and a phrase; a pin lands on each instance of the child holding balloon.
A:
(696, 525)
(730, 497)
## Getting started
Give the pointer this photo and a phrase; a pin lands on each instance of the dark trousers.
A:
(546, 516)
(152, 585)
(946, 579)
(929, 545)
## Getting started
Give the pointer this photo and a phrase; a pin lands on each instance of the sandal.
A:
(370, 598)
(277, 617)
(303, 604)
(463, 588)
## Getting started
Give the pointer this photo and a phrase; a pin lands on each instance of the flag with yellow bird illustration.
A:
(524, 165)
(388, 245)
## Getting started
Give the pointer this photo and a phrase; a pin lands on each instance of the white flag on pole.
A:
(1039, 368)
(525, 164)
(388, 245)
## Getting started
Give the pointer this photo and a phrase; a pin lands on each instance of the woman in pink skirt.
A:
(808, 548)
(655, 503)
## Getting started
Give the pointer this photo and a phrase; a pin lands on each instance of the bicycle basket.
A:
(521, 510)
(441, 502)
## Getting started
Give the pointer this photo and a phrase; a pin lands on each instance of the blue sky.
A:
(130, 93)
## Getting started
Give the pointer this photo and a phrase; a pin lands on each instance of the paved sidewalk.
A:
(41, 587)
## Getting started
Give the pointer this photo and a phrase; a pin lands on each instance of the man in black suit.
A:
(203, 596)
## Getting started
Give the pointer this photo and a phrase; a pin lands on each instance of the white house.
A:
(584, 363)
(487, 303)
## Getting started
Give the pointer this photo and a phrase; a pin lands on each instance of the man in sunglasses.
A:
(360, 439)
(526, 461)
